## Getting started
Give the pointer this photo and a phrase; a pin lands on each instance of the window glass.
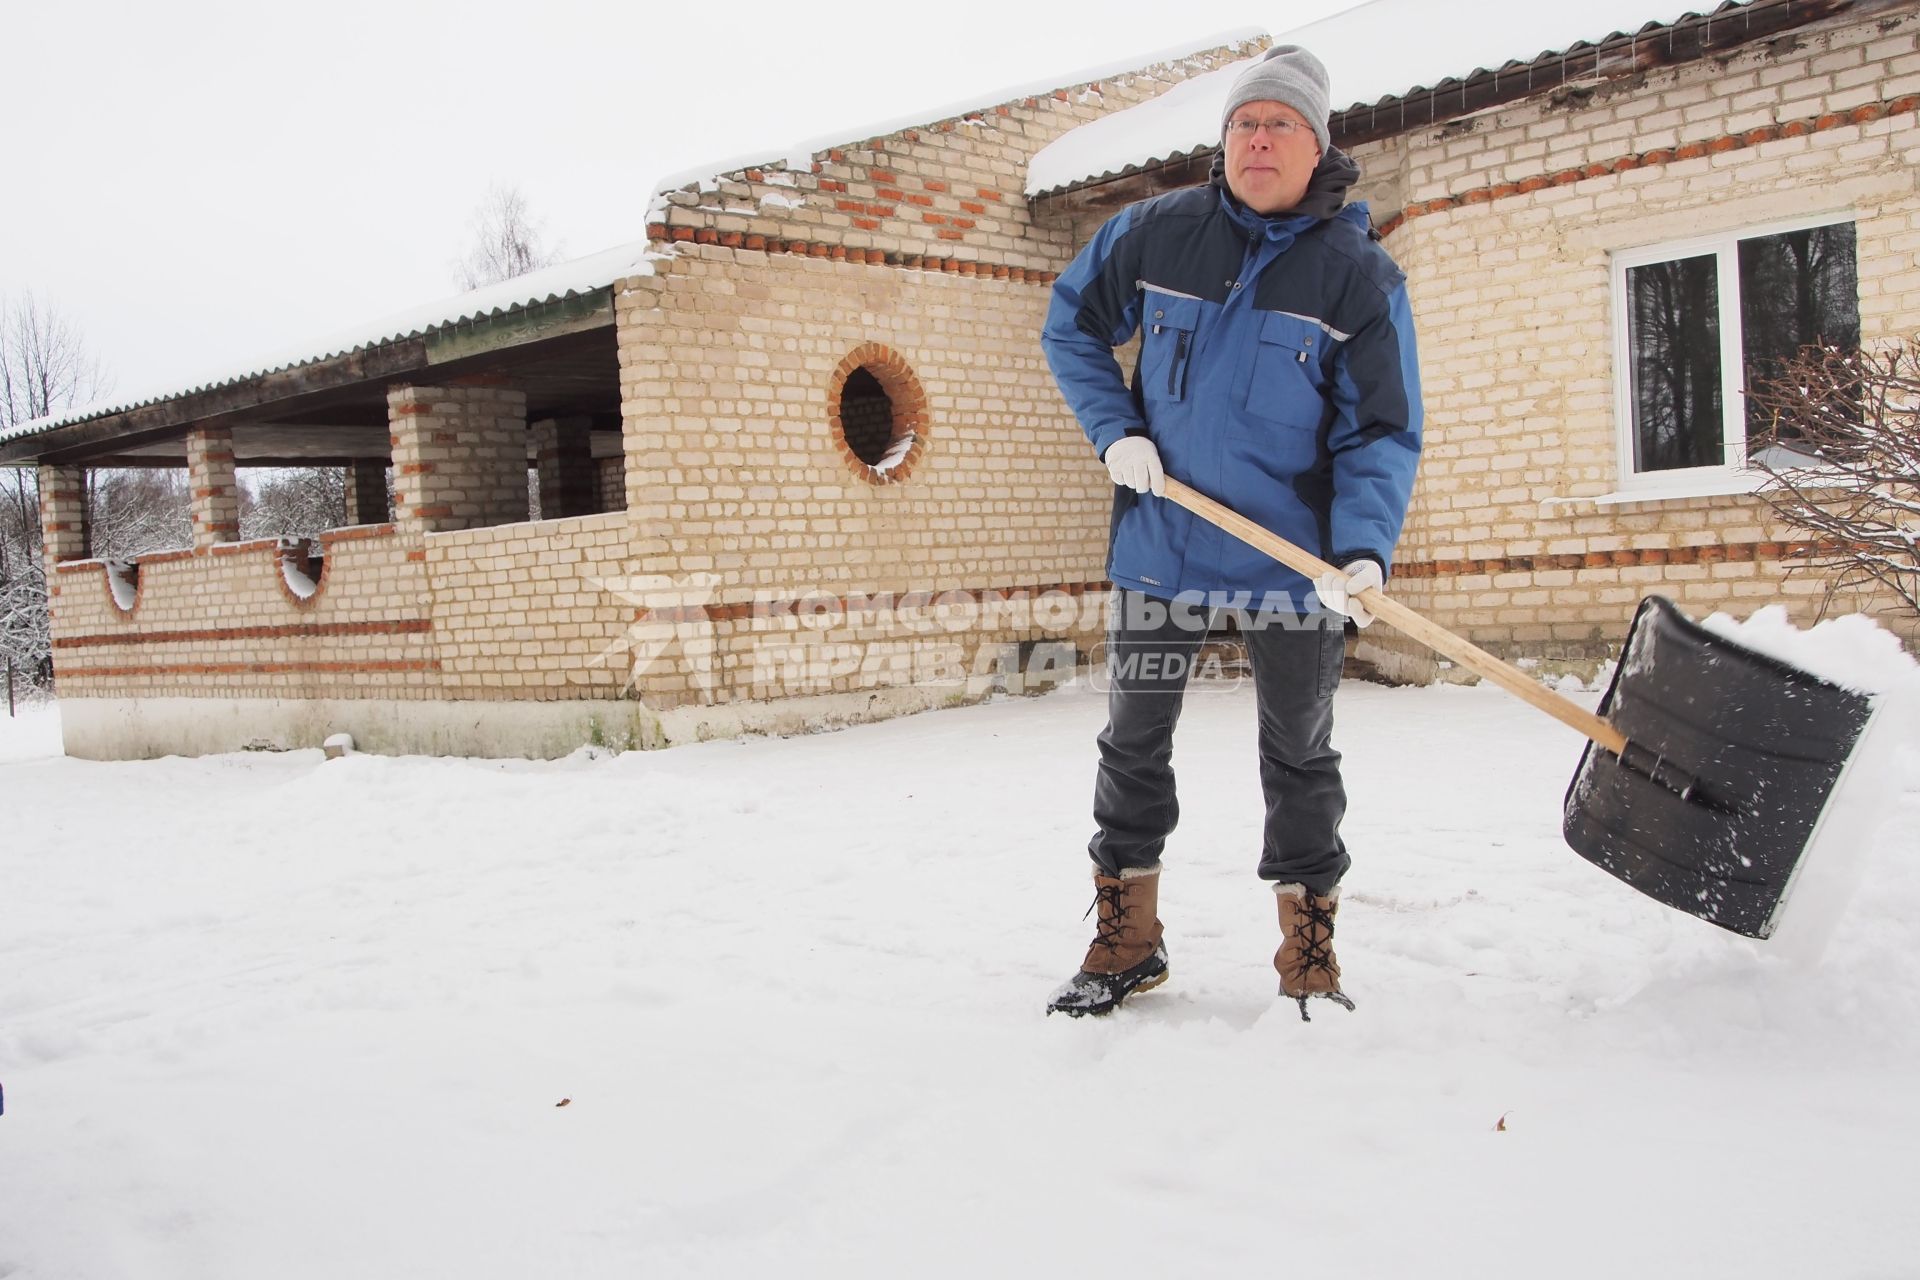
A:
(1796, 288)
(1674, 333)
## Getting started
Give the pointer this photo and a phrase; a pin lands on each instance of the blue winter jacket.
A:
(1277, 375)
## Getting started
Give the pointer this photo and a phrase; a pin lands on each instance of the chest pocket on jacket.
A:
(1289, 382)
(1167, 326)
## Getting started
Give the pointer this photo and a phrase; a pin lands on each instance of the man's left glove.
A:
(1340, 591)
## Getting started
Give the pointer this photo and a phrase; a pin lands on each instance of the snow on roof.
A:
(799, 155)
(1385, 48)
(549, 284)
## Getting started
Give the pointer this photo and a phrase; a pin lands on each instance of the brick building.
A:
(800, 460)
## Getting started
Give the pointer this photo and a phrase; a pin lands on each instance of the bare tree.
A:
(506, 241)
(132, 511)
(292, 502)
(1841, 449)
(45, 365)
(45, 368)
(26, 641)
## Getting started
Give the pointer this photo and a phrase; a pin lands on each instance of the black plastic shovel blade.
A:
(1766, 742)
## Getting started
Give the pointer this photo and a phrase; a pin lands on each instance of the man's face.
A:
(1268, 169)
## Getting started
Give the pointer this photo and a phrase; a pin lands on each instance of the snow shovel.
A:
(1708, 767)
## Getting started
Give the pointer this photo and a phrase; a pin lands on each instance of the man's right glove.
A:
(1134, 464)
(1340, 590)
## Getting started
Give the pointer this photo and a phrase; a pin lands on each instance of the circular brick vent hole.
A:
(879, 414)
(866, 416)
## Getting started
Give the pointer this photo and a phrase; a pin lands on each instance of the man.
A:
(1277, 374)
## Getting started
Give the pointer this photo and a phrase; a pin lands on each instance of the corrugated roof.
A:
(549, 284)
(1378, 55)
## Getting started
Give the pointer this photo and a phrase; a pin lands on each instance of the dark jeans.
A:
(1296, 668)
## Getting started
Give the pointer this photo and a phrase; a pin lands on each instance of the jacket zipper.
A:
(1176, 373)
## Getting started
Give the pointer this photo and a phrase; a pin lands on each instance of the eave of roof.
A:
(1689, 38)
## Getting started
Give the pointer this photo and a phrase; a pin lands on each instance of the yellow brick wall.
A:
(223, 622)
(532, 610)
(727, 362)
(525, 611)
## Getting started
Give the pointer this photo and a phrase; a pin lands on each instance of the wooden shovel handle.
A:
(1405, 620)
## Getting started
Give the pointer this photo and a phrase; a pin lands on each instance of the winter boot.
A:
(1305, 959)
(1127, 954)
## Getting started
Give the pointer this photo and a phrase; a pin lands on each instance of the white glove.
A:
(1340, 591)
(1134, 464)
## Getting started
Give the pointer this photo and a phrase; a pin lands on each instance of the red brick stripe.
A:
(659, 231)
(294, 630)
(1755, 552)
(63, 672)
(355, 533)
(810, 604)
(1659, 156)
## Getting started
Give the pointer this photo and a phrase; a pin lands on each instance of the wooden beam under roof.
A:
(309, 385)
(1111, 195)
(278, 444)
(473, 346)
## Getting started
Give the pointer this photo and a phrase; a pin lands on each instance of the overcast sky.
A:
(197, 183)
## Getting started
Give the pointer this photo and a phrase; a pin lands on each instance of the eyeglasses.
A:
(1278, 128)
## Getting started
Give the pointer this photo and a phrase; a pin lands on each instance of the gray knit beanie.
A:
(1285, 73)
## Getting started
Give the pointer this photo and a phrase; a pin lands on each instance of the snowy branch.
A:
(1842, 457)
(292, 502)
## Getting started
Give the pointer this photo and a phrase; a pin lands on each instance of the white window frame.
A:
(1732, 475)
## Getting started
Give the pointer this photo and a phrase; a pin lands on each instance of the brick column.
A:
(613, 483)
(63, 515)
(367, 491)
(569, 480)
(459, 455)
(214, 497)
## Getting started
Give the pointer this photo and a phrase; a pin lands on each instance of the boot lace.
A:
(1111, 898)
(1316, 949)
(1316, 935)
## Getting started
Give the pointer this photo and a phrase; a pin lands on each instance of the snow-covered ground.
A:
(32, 732)
(274, 1016)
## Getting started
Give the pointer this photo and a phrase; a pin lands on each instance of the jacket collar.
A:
(1325, 198)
